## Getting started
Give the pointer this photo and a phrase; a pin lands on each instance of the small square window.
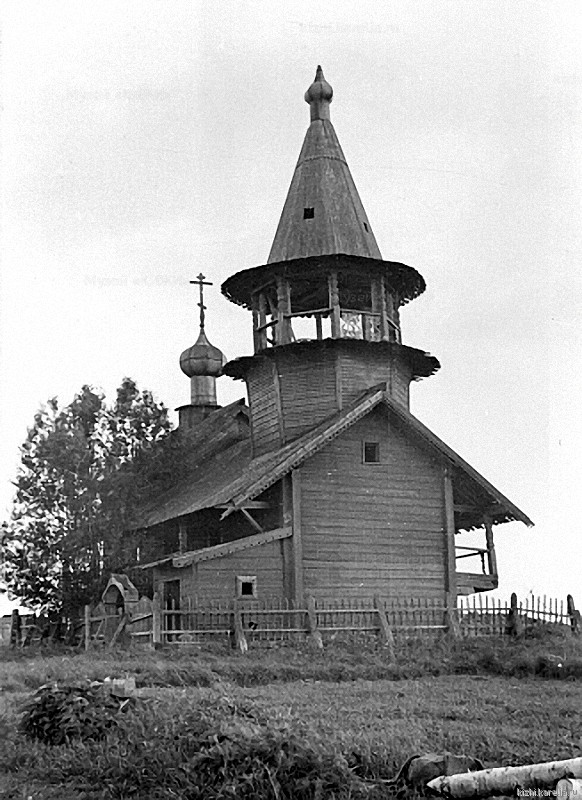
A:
(371, 452)
(308, 213)
(246, 586)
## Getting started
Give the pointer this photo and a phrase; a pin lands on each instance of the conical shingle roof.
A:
(323, 213)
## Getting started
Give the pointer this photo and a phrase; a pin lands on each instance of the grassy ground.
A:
(504, 703)
(540, 655)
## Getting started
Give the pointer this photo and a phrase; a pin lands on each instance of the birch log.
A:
(569, 787)
(506, 780)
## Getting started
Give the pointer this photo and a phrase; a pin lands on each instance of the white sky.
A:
(146, 141)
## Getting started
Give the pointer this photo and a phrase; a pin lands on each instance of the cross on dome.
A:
(201, 282)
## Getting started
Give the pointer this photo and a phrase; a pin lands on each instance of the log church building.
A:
(324, 483)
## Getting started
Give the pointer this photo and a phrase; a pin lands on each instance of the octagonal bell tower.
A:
(325, 306)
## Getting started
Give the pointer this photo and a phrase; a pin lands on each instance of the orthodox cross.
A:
(201, 284)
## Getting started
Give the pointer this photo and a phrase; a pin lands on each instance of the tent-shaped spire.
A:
(323, 213)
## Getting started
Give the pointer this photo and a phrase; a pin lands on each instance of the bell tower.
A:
(325, 306)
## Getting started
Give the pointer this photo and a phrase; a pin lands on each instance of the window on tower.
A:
(308, 213)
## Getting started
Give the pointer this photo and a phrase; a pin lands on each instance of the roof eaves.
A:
(227, 548)
(457, 460)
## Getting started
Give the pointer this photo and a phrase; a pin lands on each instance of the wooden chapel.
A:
(325, 483)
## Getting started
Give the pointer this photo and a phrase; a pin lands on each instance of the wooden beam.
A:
(465, 509)
(118, 631)
(256, 334)
(461, 508)
(156, 620)
(246, 504)
(314, 632)
(338, 380)
(491, 557)
(253, 522)
(449, 519)
(297, 541)
(386, 635)
(239, 634)
(334, 305)
(228, 548)
(182, 536)
(279, 404)
(283, 308)
(384, 327)
(287, 544)
(262, 336)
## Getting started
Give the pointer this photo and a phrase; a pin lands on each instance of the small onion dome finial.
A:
(319, 96)
(202, 359)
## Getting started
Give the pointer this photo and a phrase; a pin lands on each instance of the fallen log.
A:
(506, 780)
(569, 787)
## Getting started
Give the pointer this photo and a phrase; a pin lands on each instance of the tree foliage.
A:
(84, 470)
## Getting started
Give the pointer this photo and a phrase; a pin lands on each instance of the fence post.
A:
(87, 632)
(514, 625)
(156, 621)
(314, 633)
(240, 640)
(575, 622)
(15, 629)
(386, 635)
(451, 619)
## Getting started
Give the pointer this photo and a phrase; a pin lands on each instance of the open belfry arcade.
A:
(324, 484)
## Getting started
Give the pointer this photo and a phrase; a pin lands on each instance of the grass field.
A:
(504, 703)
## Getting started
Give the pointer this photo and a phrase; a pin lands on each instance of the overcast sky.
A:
(145, 142)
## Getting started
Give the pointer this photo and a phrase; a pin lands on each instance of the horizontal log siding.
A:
(263, 406)
(361, 371)
(216, 579)
(308, 390)
(371, 528)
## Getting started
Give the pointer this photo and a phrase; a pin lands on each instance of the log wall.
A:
(359, 372)
(308, 390)
(264, 405)
(373, 528)
(293, 390)
(216, 579)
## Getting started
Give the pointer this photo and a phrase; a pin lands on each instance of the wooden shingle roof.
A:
(323, 213)
(232, 477)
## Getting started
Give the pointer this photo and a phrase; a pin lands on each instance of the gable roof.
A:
(219, 449)
(233, 477)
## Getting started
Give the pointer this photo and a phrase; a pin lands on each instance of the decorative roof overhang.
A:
(423, 364)
(221, 550)
(404, 281)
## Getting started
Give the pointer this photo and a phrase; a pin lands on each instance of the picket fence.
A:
(253, 622)
(277, 620)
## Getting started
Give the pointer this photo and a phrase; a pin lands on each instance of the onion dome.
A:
(319, 96)
(202, 359)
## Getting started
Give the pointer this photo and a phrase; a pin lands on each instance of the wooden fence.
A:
(252, 622)
(485, 616)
